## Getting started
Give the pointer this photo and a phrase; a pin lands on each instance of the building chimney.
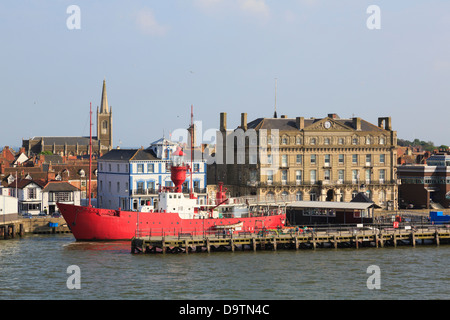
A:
(387, 123)
(244, 121)
(223, 121)
(333, 116)
(300, 122)
(357, 123)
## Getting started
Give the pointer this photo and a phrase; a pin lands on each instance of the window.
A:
(327, 141)
(196, 167)
(355, 141)
(368, 159)
(341, 176)
(341, 159)
(60, 196)
(382, 175)
(368, 140)
(253, 175)
(355, 176)
(368, 175)
(382, 196)
(299, 196)
(269, 159)
(313, 159)
(312, 196)
(118, 186)
(382, 158)
(269, 176)
(284, 161)
(32, 194)
(341, 141)
(313, 141)
(298, 177)
(109, 186)
(299, 159)
(140, 168)
(382, 140)
(150, 168)
(298, 140)
(355, 159)
(118, 167)
(284, 175)
(284, 140)
(313, 175)
(327, 175)
(109, 167)
(327, 160)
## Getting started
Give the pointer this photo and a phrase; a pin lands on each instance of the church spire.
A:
(104, 103)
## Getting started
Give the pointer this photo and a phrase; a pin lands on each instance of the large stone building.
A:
(325, 159)
(77, 146)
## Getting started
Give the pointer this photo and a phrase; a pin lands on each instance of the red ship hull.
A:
(88, 224)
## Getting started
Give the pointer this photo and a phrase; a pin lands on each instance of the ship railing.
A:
(257, 200)
(193, 233)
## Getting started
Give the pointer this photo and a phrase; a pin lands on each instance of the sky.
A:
(160, 57)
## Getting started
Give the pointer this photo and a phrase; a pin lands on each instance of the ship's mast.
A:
(90, 151)
(192, 147)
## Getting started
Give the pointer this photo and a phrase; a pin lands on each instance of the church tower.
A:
(104, 123)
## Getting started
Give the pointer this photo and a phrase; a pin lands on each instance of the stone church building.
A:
(77, 146)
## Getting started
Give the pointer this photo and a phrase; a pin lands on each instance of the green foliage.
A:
(426, 145)
(46, 152)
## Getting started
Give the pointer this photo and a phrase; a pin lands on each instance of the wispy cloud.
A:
(255, 7)
(146, 22)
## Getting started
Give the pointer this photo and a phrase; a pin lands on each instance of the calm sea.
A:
(36, 267)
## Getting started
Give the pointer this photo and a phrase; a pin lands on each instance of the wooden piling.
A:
(413, 238)
(436, 237)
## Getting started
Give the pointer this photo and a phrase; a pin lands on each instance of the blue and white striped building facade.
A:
(130, 178)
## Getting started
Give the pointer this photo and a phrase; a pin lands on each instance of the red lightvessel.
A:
(175, 214)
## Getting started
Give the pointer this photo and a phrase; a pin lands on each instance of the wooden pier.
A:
(293, 241)
(37, 225)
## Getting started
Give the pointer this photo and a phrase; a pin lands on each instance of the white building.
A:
(36, 196)
(131, 178)
(8, 208)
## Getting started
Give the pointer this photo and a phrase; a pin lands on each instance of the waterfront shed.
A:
(329, 212)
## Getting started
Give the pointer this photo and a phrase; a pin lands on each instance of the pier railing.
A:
(307, 230)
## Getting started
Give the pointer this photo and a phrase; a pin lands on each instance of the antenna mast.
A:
(275, 113)
(192, 147)
(90, 151)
